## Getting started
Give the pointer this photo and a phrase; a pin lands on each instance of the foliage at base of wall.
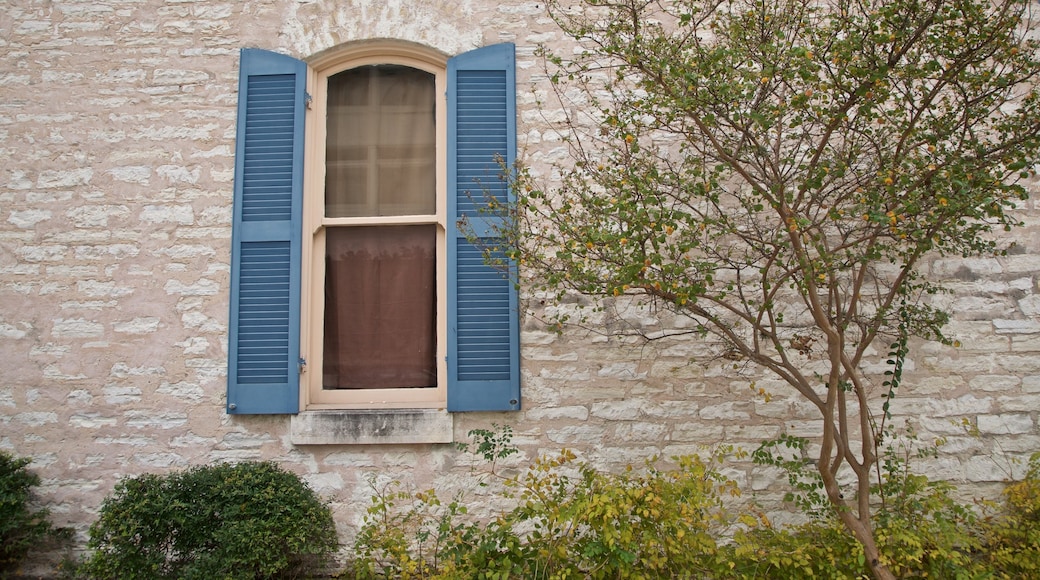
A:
(571, 520)
(245, 521)
(22, 527)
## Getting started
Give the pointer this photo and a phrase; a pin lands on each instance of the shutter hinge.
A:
(302, 365)
(307, 99)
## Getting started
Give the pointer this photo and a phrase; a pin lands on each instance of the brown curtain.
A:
(380, 307)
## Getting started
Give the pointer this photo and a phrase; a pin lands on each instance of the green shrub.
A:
(1013, 537)
(569, 521)
(922, 532)
(250, 520)
(820, 548)
(21, 526)
(921, 528)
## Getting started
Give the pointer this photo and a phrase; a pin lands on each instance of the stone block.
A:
(943, 467)
(623, 456)
(1005, 424)
(994, 382)
(192, 440)
(163, 420)
(572, 412)
(642, 432)
(121, 395)
(698, 432)
(28, 219)
(965, 268)
(1015, 403)
(201, 287)
(136, 174)
(107, 252)
(625, 371)
(804, 428)
(983, 469)
(238, 440)
(734, 411)
(11, 331)
(672, 409)
(185, 390)
(575, 434)
(1016, 326)
(618, 410)
(43, 253)
(1021, 445)
(36, 418)
(49, 178)
(1025, 343)
(753, 434)
(325, 483)
(1031, 384)
(964, 406)
(159, 460)
(549, 354)
(140, 325)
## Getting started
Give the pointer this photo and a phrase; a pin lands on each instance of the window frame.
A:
(312, 394)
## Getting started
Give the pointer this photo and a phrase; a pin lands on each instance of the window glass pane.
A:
(380, 307)
(381, 148)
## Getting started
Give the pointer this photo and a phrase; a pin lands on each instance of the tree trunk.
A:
(859, 526)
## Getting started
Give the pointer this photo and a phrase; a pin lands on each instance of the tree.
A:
(778, 172)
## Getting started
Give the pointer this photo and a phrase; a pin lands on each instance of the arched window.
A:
(350, 273)
(378, 261)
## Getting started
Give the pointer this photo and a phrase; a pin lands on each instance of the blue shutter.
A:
(264, 330)
(483, 312)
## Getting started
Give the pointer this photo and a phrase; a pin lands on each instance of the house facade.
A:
(168, 264)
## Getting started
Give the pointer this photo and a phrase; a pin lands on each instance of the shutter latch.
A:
(307, 99)
(302, 365)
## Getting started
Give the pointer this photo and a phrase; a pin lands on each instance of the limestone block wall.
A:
(117, 124)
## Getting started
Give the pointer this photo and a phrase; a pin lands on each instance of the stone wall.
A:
(117, 122)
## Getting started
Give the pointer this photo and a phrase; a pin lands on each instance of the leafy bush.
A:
(920, 527)
(1013, 538)
(21, 527)
(250, 520)
(821, 548)
(569, 521)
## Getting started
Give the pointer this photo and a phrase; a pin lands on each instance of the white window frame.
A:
(312, 394)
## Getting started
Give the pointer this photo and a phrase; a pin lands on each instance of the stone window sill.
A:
(371, 427)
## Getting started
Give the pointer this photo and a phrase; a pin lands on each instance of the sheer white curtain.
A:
(381, 143)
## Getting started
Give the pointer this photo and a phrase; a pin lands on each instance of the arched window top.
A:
(378, 51)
